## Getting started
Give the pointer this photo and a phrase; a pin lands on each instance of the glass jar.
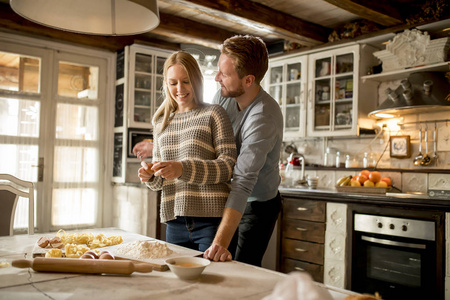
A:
(351, 162)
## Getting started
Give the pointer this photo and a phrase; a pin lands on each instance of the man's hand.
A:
(217, 253)
(143, 149)
(168, 169)
(218, 250)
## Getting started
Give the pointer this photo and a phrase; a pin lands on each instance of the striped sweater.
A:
(202, 140)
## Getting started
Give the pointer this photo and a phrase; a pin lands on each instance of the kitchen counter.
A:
(332, 195)
(229, 280)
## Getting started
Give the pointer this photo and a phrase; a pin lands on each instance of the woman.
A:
(193, 156)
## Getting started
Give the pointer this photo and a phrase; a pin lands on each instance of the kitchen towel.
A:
(298, 286)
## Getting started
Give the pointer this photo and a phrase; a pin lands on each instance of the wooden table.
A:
(229, 280)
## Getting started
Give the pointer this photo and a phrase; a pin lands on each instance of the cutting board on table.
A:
(158, 264)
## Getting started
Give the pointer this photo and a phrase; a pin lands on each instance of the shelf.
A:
(344, 101)
(404, 73)
(343, 126)
(142, 73)
(347, 74)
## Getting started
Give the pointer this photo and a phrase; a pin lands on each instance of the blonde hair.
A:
(249, 54)
(195, 76)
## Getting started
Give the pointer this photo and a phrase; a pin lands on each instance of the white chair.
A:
(9, 196)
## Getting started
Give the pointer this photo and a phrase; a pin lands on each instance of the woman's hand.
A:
(145, 173)
(168, 169)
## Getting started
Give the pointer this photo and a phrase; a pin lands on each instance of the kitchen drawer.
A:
(306, 251)
(291, 265)
(304, 230)
(304, 209)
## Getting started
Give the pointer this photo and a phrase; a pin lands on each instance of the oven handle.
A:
(392, 243)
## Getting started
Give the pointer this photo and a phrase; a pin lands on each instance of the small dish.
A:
(187, 268)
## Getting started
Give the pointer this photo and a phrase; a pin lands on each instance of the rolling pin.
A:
(76, 265)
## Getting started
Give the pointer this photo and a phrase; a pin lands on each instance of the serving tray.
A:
(362, 189)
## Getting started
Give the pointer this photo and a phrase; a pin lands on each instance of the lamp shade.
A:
(98, 17)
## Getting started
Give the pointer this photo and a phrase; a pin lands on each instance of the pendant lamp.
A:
(97, 17)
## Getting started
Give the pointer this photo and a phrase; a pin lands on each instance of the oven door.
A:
(395, 267)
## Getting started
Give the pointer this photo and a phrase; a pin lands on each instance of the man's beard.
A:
(232, 94)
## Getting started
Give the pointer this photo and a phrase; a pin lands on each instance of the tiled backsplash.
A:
(406, 181)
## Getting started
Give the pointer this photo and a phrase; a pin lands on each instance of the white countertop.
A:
(229, 280)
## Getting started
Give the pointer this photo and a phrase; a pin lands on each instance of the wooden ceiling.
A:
(297, 23)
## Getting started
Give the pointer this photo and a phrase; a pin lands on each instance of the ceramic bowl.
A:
(187, 268)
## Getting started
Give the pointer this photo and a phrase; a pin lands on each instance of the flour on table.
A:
(144, 249)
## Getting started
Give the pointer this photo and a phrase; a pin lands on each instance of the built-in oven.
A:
(397, 257)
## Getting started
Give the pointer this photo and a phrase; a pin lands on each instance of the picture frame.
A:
(400, 146)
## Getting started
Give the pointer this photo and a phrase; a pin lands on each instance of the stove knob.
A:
(404, 228)
(380, 225)
(391, 226)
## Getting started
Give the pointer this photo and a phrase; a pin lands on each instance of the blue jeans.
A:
(254, 231)
(192, 232)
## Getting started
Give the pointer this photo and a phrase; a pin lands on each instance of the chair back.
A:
(9, 196)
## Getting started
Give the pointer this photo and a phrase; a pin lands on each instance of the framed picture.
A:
(400, 146)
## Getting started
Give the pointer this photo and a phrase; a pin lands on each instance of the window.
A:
(52, 131)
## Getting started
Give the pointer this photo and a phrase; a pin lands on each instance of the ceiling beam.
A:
(191, 32)
(264, 18)
(378, 11)
(12, 21)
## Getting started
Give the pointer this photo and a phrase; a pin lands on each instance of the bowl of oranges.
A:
(365, 182)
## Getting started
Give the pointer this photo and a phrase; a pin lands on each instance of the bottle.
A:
(338, 160)
(366, 160)
(347, 161)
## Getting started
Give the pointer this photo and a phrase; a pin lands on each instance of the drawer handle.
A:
(299, 269)
(302, 208)
(300, 250)
(301, 229)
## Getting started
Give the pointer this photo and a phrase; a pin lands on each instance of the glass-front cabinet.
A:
(333, 92)
(146, 81)
(139, 83)
(286, 83)
(338, 102)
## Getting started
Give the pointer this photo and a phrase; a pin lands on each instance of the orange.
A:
(381, 184)
(374, 176)
(365, 172)
(369, 183)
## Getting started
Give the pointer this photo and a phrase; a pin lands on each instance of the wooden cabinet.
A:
(303, 236)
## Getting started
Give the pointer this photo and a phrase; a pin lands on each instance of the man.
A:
(254, 203)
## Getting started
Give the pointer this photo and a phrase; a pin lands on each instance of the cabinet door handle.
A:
(301, 229)
(300, 250)
(301, 208)
(299, 269)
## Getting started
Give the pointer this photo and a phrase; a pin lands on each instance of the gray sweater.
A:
(258, 132)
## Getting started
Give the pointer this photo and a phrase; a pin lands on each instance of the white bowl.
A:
(187, 268)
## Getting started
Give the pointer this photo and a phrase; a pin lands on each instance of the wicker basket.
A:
(362, 189)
